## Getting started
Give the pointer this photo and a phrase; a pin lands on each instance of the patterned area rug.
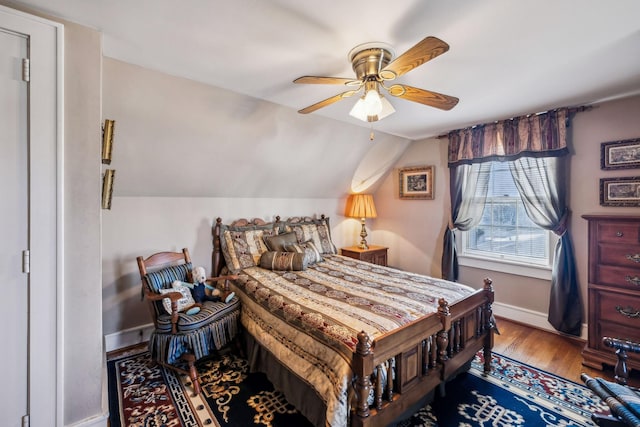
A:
(514, 394)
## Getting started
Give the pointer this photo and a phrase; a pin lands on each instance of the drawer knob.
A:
(629, 312)
(634, 280)
(634, 257)
(619, 234)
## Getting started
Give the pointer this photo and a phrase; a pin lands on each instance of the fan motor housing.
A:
(369, 58)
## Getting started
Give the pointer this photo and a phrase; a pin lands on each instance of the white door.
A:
(29, 192)
(13, 227)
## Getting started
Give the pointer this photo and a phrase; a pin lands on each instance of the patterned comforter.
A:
(310, 319)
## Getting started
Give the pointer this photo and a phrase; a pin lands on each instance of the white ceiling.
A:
(506, 57)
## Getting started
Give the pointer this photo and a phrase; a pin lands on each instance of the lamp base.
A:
(363, 235)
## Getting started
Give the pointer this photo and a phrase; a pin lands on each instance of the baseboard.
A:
(127, 337)
(529, 317)
(101, 420)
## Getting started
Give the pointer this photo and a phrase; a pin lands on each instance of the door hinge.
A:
(26, 261)
(25, 421)
(26, 71)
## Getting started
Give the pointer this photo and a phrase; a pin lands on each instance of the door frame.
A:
(46, 234)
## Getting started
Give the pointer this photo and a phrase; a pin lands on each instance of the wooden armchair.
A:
(179, 338)
(623, 400)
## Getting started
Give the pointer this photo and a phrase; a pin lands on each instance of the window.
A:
(506, 239)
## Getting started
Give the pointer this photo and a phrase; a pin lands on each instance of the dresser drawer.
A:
(628, 278)
(619, 232)
(622, 255)
(622, 309)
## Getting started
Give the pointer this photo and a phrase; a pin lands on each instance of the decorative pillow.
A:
(311, 253)
(243, 248)
(317, 231)
(288, 261)
(184, 302)
(279, 241)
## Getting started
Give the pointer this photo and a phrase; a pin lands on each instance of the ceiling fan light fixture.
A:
(372, 103)
(360, 112)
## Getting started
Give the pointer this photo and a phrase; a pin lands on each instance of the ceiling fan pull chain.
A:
(371, 134)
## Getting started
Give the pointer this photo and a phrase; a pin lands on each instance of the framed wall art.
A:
(620, 154)
(416, 182)
(620, 191)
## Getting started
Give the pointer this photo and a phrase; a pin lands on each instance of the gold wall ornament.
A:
(107, 188)
(107, 140)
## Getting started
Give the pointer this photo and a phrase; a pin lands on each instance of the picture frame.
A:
(623, 154)
(623, 191)
(416, 182)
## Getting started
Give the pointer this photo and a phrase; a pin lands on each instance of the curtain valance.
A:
(539, 135)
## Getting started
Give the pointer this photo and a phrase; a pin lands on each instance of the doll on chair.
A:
(199, 287)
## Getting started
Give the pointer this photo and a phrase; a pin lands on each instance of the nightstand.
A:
(375, 254)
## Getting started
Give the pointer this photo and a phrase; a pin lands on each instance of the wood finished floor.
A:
(551, 352)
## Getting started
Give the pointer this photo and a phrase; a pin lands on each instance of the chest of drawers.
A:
(614, 286)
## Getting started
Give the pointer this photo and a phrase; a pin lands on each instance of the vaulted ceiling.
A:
(506, 57)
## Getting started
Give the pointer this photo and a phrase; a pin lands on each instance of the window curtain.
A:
(468, 192)
(535, 147)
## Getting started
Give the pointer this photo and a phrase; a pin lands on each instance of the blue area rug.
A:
(514, 394)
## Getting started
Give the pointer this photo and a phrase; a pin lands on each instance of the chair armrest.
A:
(225, 279)
(220, 278)
(174, 297)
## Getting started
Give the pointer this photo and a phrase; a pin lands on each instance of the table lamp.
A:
(361, 206)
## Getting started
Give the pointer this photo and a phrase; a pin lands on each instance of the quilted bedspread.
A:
(310, 319)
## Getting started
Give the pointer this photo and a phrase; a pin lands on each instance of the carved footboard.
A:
(426, 354)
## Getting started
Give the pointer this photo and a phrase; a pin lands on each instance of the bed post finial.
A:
(442, 339)
(362, 367)
(216, 261)
(489, 323)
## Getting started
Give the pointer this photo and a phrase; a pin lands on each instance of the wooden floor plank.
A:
(552, 352)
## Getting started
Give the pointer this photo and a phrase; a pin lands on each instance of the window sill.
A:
(527, 270)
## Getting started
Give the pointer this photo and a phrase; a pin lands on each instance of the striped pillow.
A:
(287, 261)
(311, 253)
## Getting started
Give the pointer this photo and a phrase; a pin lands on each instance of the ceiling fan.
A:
(374, 68)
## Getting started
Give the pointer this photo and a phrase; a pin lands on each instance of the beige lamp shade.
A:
(361, 206)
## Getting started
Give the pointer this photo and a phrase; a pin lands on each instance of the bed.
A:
(348, 342)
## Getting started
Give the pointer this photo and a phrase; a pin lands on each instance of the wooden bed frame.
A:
(428, 352)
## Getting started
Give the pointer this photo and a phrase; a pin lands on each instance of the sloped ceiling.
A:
(506, 57)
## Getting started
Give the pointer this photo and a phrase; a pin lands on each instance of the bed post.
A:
(442, 339)
(489, 324)
(216, 261)
(363, 367)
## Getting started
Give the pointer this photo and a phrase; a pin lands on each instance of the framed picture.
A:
(620, 191)
(620, 154)
(416, 182)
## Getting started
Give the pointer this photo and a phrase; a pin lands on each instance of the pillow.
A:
(242, 247)
(311, 253)
(317, 231)
(279, 241)
(184, 302)
(288, 261)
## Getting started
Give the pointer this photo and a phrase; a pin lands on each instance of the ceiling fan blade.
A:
(423, 51)
(426, 97)
(326, 80)
(328, 101)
